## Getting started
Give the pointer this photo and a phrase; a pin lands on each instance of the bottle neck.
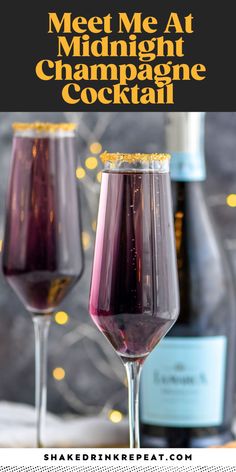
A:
(185, 142)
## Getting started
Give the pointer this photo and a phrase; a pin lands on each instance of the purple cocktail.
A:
(42, 258)
(134, 291)
(42, 253)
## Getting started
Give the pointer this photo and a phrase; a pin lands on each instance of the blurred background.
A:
(85, 376)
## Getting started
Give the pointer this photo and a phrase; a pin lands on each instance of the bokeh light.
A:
(99, 177)
(61, 317)
(94, 225)
(86, 240)
(91, 163)
(80, 173)
(115, 416)
(58, 373)
(95, 148)
(231, 200)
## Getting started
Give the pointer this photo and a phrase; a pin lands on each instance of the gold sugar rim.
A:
(41, 126)
(132, 157)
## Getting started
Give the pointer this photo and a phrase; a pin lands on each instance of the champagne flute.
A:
(42, 253)
(134, 290)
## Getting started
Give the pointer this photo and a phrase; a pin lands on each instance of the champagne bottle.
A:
(187, 386)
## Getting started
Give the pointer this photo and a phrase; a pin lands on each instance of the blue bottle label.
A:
(183, 381)
(185, 143)
(187, 167)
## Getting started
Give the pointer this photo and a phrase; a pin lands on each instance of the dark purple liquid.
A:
(42, 256)
(134, 299)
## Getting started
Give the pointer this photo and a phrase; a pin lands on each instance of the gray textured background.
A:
(95, 378)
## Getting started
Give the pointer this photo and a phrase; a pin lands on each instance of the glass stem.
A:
(41, 327)
(133, 370)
